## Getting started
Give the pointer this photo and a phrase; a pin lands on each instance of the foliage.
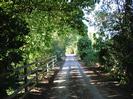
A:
(12, 33)
(115, 29)
(85, 50)
(50, 22)
(53, 25)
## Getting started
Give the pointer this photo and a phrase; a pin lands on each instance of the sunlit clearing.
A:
(70, 51)
(70, 54)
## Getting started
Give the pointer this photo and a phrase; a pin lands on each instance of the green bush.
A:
(85, 50)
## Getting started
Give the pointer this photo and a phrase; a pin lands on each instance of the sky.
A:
(90, 16)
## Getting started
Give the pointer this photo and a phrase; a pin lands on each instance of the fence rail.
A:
(30, 78)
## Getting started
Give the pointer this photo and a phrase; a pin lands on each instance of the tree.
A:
(12, 33)
(116, 32)
(47, 20)
(85, 50)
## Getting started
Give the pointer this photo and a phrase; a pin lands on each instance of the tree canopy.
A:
(32, 29)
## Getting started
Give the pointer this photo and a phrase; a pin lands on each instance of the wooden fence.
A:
(28, 78)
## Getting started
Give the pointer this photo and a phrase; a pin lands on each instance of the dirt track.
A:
(73, 83)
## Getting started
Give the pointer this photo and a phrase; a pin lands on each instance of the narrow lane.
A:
(72, 83)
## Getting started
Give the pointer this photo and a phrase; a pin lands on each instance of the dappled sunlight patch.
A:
(97, 83)
(112, 96)
(62, 73)
(59, 87)
(93, 75)
(88, 72)
(65, 68)
(75, 72)
(74, 96)
(93, 81)
(74, 67)
(116, 83)
(87, 75)
(69, 58)
(45, 81)
(59, 81)
(97, 64)
(109, 88)
(76, 76)
(103, 83)
(52, 97)
(100, 83)
(37, 91)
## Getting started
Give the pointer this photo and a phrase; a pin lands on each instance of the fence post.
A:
(25, 78)
(53, 63)
(37, 73)
(47, 69)
(55, 58)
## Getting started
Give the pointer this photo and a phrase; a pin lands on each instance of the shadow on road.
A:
(74, 81)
